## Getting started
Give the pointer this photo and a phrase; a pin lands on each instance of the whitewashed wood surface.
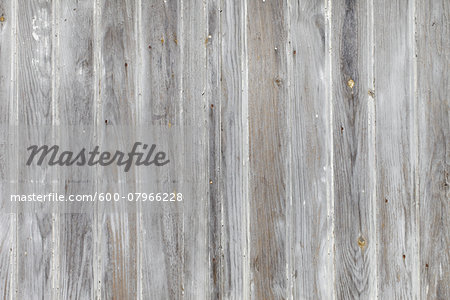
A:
(321, 137)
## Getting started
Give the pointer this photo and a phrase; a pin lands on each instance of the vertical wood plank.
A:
(34, 84)
(159, 109)
(267, 106)
(355, 241)
(76, 113)
(395, 146)
(117, 231)
(173, 40)
(233, 149)
(311, 270)
(433, 88)
(214, 159)
(196, 275)
(7, 220)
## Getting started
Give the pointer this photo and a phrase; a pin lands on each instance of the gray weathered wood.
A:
(433, 130)
(267, 112)
(395, 150)
(232, 111)
(7, 219)
(354, 228)
(75, 113)
(309, 140)
(117, 237)
(159, 106)
(311, 257)
(213, 101)
(195, 181)
(35, 114)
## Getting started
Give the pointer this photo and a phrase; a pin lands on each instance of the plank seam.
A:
(96, 258)
(416, 272)
(220, 185)
(290, 260)
(138, 94)
(330, 188)
(245, 154)
(219, 140)
(372, 135)
(14, 117)
(181, 114)
(55, 270)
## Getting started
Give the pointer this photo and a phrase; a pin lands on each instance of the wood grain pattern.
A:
(117, 237)
(355, 265)
(311, 266)
(159, 106)
(233, 167)
(76, 112)
(309, 140)
(35, 223)
(267, 148)
(213, 98)
(196, 181)
(395, 149)
(432, 179)
(7, 219)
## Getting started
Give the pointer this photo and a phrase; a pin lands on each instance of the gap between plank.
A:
(416, 282)
(330, 187)
(245, 155)
(96, 264)
(55, 270)
(371, 119)
(138, 96)
(14, 163)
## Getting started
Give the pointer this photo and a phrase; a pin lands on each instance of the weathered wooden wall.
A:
(321, 136)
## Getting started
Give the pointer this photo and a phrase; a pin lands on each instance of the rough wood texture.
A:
(117, 238)
(395, 150)
(195, 180)
(309, 139)
(232, 183)
(213, 99)
(311, 257)
(35, 225)
(267, 110)
(160, 103)
(7, 174)
(433, 130)
(76, 112)
(355, 265)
